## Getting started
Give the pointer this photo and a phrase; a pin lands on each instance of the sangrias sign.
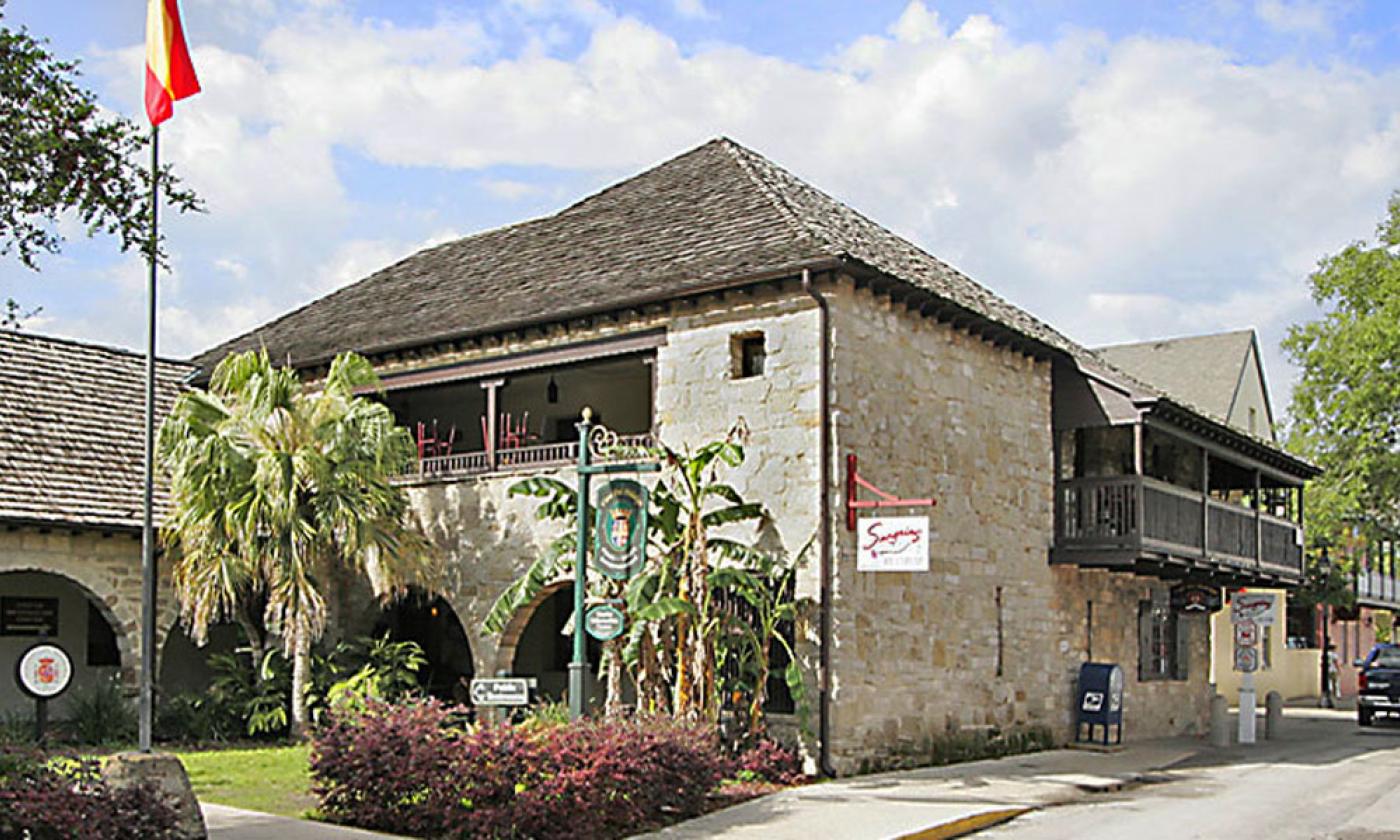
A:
(892, 544)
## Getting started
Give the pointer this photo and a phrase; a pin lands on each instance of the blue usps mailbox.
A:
(1100, 702)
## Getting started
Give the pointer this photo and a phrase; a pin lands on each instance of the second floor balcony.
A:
(521, 413)
(1141, 498)
(1376, 578)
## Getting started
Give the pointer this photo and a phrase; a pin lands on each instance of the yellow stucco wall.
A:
(1291, 672)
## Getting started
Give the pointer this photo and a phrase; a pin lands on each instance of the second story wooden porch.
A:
(1149, 498)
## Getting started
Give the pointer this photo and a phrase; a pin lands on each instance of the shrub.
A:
(413, 768)
(101, 714)
(43, 802)
(768, 761)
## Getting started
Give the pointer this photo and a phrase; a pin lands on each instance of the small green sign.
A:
(604, 622)
(619, 535)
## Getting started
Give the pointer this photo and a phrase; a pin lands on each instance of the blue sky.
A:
(1123, 170)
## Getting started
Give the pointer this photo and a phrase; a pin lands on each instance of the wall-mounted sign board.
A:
(892, 544)
(25, 616)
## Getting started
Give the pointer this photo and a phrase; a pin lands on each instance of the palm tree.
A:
(275, 489)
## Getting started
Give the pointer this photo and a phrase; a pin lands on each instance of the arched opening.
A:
(184, 666)
(433, 624)
(35, 605)
(545, 646)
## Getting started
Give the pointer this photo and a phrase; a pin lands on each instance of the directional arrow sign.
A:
(501, 691)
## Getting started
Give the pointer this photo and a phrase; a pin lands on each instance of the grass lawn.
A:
(274, 780)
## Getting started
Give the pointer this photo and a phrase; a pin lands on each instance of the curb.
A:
(966, 825)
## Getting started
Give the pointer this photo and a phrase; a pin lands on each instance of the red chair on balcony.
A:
(427, 444)
(446, 445)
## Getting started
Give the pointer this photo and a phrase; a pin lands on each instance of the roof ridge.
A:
(88, 345)
(745, 158)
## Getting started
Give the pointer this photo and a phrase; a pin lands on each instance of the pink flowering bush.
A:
(41, 800)
(415, 768)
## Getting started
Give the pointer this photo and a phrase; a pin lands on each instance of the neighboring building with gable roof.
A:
(1074, 500)
(71, 503)
(1221, 374)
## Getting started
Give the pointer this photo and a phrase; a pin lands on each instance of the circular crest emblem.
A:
(45, 670)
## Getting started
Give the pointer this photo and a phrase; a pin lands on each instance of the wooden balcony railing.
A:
(1134, 514)
(1378, 588)
(543, 456)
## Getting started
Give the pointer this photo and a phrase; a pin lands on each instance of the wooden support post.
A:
(1205, 503)
(493, 434)
(1258, 522)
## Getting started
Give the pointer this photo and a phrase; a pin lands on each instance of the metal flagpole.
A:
(148, 547)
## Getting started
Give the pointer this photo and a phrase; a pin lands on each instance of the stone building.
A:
(1073, 499)
(71, 491)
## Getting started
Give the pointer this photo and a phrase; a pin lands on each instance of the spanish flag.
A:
(169, 73)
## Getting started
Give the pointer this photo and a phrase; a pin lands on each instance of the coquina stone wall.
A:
(107, 568)
(991, 635)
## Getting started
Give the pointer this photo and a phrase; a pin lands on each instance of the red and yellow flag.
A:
(169, 73)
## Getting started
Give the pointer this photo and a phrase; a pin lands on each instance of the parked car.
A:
(1378, 684)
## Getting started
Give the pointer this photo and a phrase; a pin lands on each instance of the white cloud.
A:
(692, 9)
(1298, 17)
(1117, 188)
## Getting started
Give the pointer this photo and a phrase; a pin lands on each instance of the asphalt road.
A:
(1325, 777)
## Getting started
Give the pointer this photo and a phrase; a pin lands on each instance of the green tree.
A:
(276, 489)
(1346, 406)
(62, 153)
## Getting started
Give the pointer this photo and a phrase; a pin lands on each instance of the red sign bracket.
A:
(854, 482)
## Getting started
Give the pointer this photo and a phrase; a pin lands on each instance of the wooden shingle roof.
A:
(71, 433)
(717, 213)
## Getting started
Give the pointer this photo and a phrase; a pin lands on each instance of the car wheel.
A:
(1363, 717)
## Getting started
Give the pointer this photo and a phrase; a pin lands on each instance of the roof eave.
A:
(815, 263)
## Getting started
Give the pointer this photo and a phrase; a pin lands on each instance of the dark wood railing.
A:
(515, 459)
(1136, 514)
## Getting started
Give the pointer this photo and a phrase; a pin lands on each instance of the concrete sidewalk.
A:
(938, 802)
(225, 823)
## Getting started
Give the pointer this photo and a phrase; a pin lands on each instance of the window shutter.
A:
(1183, 647)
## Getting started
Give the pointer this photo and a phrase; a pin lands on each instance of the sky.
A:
(1125, 171)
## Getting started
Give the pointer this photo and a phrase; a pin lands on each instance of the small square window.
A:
(749, 355)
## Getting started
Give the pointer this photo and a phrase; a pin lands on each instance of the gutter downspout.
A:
(824, 531)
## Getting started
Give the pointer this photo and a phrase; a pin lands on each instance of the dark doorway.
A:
(433, 624)
(545, 649)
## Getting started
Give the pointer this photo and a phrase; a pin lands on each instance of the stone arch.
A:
(77, 644)
(106, 568)
(515, 628)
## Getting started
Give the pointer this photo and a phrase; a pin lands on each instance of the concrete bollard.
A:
(1273, 714)
(1219, 721)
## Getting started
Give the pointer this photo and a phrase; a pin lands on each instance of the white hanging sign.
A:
(1258, 607)
(892, 544)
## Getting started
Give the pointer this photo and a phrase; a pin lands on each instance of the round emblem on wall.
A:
(45, 671)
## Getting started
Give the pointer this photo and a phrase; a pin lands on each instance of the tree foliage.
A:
(63, 153)
(276, 489)
(1346, 406)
